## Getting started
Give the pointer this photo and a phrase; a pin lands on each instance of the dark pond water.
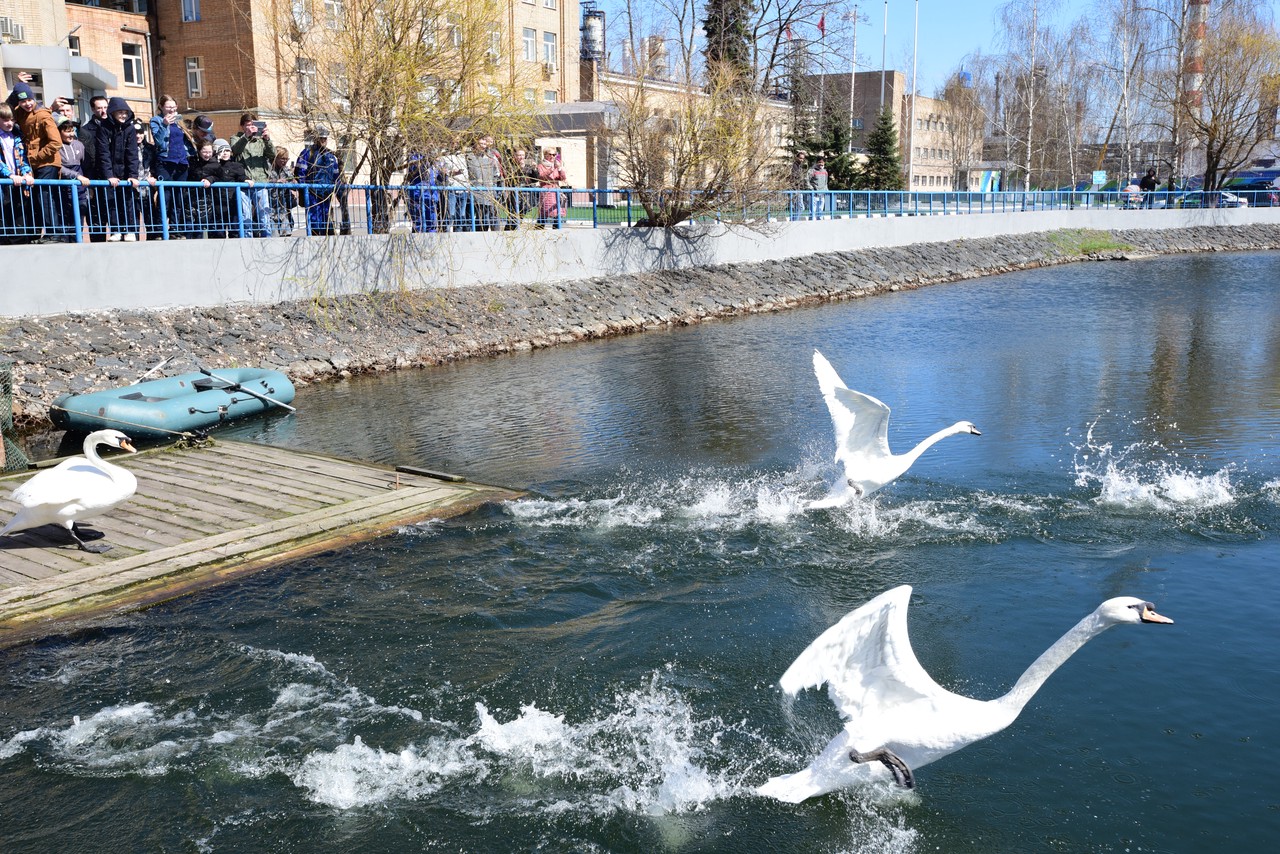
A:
(594, 668)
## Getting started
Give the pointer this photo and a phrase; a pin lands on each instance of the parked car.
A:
(1210, 199)
(1260, 194)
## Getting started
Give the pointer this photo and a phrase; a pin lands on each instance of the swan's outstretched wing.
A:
(865, 660)
(861, 422)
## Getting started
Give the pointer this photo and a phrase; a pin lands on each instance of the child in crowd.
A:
(232, 210)
(283, 200)
(75, 199)
(148, 206)
(117, 153)
(15, 172)
(201, 200)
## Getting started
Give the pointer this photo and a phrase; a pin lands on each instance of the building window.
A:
(550, 55)
(307, 90)
(338, 85)
(73, 45)
(333, 14)
(190, 11)
(302, 15)
(195, 77)
(857, 124)
(133, 64)
(453, 31)
(550, 4)
(550, 96)
(531, 95)
(494, 52)
(530, 44)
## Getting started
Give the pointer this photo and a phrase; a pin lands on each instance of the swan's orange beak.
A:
(1149, 615)
(126, 445)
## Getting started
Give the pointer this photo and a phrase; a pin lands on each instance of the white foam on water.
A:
(356, 775)
(1144, 476)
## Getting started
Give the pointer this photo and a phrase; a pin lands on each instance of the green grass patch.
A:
(1086, 241)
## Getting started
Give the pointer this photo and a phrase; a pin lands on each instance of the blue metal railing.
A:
(73, 211)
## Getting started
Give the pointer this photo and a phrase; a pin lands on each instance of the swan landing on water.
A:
(899, 719)
(862, 433)
(75, 489)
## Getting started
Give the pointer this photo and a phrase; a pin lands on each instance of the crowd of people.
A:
(173, 176)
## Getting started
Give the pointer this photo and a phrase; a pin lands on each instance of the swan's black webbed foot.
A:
(901, 773)
(94, 548)
(857, 490)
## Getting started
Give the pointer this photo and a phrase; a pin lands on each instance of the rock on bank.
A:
(317, 339)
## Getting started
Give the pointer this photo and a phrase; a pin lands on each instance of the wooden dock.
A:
(203, 515)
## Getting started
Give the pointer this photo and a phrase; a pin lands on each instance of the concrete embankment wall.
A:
(182, 273)
(332, 307)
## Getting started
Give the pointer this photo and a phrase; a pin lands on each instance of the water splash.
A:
(1145, 476)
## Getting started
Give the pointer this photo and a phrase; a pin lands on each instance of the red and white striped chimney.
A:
(1193, 65)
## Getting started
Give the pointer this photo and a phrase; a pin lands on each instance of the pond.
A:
(595, 667)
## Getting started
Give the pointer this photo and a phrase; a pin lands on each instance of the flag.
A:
(822, 25)
(789, 33)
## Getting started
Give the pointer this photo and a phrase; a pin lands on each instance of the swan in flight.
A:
(75, 489)
(862, 433)
(899, 719)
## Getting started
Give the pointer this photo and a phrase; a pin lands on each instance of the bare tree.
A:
(966, 124)
(699, 142)
(1242, 60)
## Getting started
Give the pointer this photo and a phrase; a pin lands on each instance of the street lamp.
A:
(151, 66)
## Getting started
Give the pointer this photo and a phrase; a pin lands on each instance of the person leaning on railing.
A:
(118, 161)
(15, 181)
(43, 143)
(283, 200)
(75, 199)
(175, 149)
(254, 149)
(317, 167)
(88, 136)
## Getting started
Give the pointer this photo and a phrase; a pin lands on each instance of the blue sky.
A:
(949, 30)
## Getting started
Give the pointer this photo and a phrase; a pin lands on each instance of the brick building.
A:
(73, 49)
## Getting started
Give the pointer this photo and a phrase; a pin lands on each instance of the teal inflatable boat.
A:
(187, 403)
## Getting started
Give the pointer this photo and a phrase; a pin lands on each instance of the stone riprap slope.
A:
(314, 340)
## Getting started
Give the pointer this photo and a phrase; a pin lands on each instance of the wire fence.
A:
(74, 212)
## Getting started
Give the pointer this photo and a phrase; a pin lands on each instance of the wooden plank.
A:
(207, 468)
(272, 505)
(212, 506)
(130, 570)
(201, 476)
(358, 474)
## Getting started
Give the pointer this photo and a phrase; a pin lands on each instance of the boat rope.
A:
(182, 434)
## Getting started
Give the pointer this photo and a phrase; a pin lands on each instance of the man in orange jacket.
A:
(44, 144)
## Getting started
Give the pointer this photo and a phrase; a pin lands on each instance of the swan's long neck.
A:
(1051, 659)
(912, 455)
(91, 454)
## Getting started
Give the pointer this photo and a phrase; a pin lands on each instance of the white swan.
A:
(862, 433)
(898, 719)
(75, 489)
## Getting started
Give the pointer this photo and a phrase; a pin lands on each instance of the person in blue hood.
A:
(117, 152)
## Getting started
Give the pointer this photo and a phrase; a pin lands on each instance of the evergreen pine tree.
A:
(728, 30)
(883, 168)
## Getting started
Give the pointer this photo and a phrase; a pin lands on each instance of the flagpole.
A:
(911, 126)
(884, 48)
(853, 75)
(822, 75)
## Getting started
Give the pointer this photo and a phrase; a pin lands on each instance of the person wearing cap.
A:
(318, 167)
(75, 199)
(253, 148)
(818, 187)
(43, 143)
(118, 161)
(232, 210)
(15, 180)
